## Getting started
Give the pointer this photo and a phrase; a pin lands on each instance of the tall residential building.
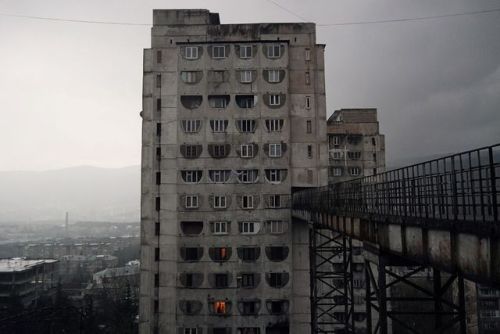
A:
(234, 120)
(356, 149)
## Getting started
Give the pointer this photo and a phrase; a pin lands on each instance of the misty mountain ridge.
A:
(86, 192)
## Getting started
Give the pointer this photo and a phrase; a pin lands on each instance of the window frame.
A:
(244, 177)
(191, 125)
(215, 125)
(246, 47)
(222, 201)
(273, 51)
(218, 47)
(308, 102)
(221, 175)
(192, 55)
(273, 76)
(273, 224)
(191, 201)
(191, 176)
(247, 151)
(246, 76)
(275, 150)
(274, 100)
(274, 124)
(248, 202)
(249, 227)
(220, 228)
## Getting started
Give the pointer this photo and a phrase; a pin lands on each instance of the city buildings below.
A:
(79, 269)
(356, 147)
(129, 274)
(23, 282)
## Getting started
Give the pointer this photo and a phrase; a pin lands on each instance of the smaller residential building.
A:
(356, 147)
(26, 281)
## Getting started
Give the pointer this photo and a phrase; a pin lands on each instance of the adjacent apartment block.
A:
(234, 121)
(356, 148)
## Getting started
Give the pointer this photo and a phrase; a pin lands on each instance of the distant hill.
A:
(87, 193)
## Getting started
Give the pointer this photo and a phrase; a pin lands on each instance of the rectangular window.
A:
(246, 150)
(219, 175)
(309, 151)
(274, 100)
(216, 76)
(354, 155)
(158, 153)
(159, 57)
(220, 202)
(220, 227)
(218, 51)
(276, 226)
(274, 201)
(275, 150)
(307, 54)
(158, 81)
(274, 51)
(157, 228)
(191, 201)
(336, 140)
(156, 306)
(246, 125)
(188, 76)
(354, 171)
(191, 52)
(191, 125)
(157, 203)
(246, 76)
(337, 171)
(218, 125)
(247, 280)
(273, 175)
(190, 331)
(274, 125)
(308, 102)
(221, 281)
(157, 280)
(309, 126)
(247, 175)
(248, 227)
(247, 202)
(157, 254)
(158, 129)
(245, 51)
(308, 78)
(158, 104)
(273, 76)
(217, 101)
(158, 178)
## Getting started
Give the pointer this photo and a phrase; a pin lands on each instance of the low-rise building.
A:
(25, 281)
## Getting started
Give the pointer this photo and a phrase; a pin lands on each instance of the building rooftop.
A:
(354, 115)
(19, 264)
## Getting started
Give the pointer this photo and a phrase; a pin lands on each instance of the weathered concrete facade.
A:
(233, 120)
(356, 147)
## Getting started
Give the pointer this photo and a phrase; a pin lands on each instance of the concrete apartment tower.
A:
(234, 121)
(356, 149)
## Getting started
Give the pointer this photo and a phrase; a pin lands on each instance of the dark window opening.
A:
(218, 101)
(277, 280)
(191, 101)
(159, 57)
(248, 280)
(157, 203)
(157, 228)
(221, 280)
(157, 280)
(309, 151)
(277, 306)
(158, 104)
(158, 178)
(277, 253)
(220, 254)
(158, 81)
(158, 129)
(192, 227)
(309, 127)
(158, 153)
(191, 253)
(219, 151)
(374, 143)
(157, 254)
(245, 101)
(156, 306)
(248, 254)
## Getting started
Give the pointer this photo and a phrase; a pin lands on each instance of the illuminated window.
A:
(220, 307)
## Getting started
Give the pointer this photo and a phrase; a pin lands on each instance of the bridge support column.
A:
(332, 302)
(403, 297)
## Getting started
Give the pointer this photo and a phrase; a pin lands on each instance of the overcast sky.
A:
(70, 93)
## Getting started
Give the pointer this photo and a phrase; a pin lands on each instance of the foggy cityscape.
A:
(234, 167)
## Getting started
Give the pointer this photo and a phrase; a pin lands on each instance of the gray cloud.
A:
(70, 93)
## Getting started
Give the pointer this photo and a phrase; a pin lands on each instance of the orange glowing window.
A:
(220, 307)
(223, 253)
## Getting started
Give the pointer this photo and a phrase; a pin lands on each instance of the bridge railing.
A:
(459, 187)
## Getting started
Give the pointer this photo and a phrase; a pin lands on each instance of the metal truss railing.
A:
(460, 187)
